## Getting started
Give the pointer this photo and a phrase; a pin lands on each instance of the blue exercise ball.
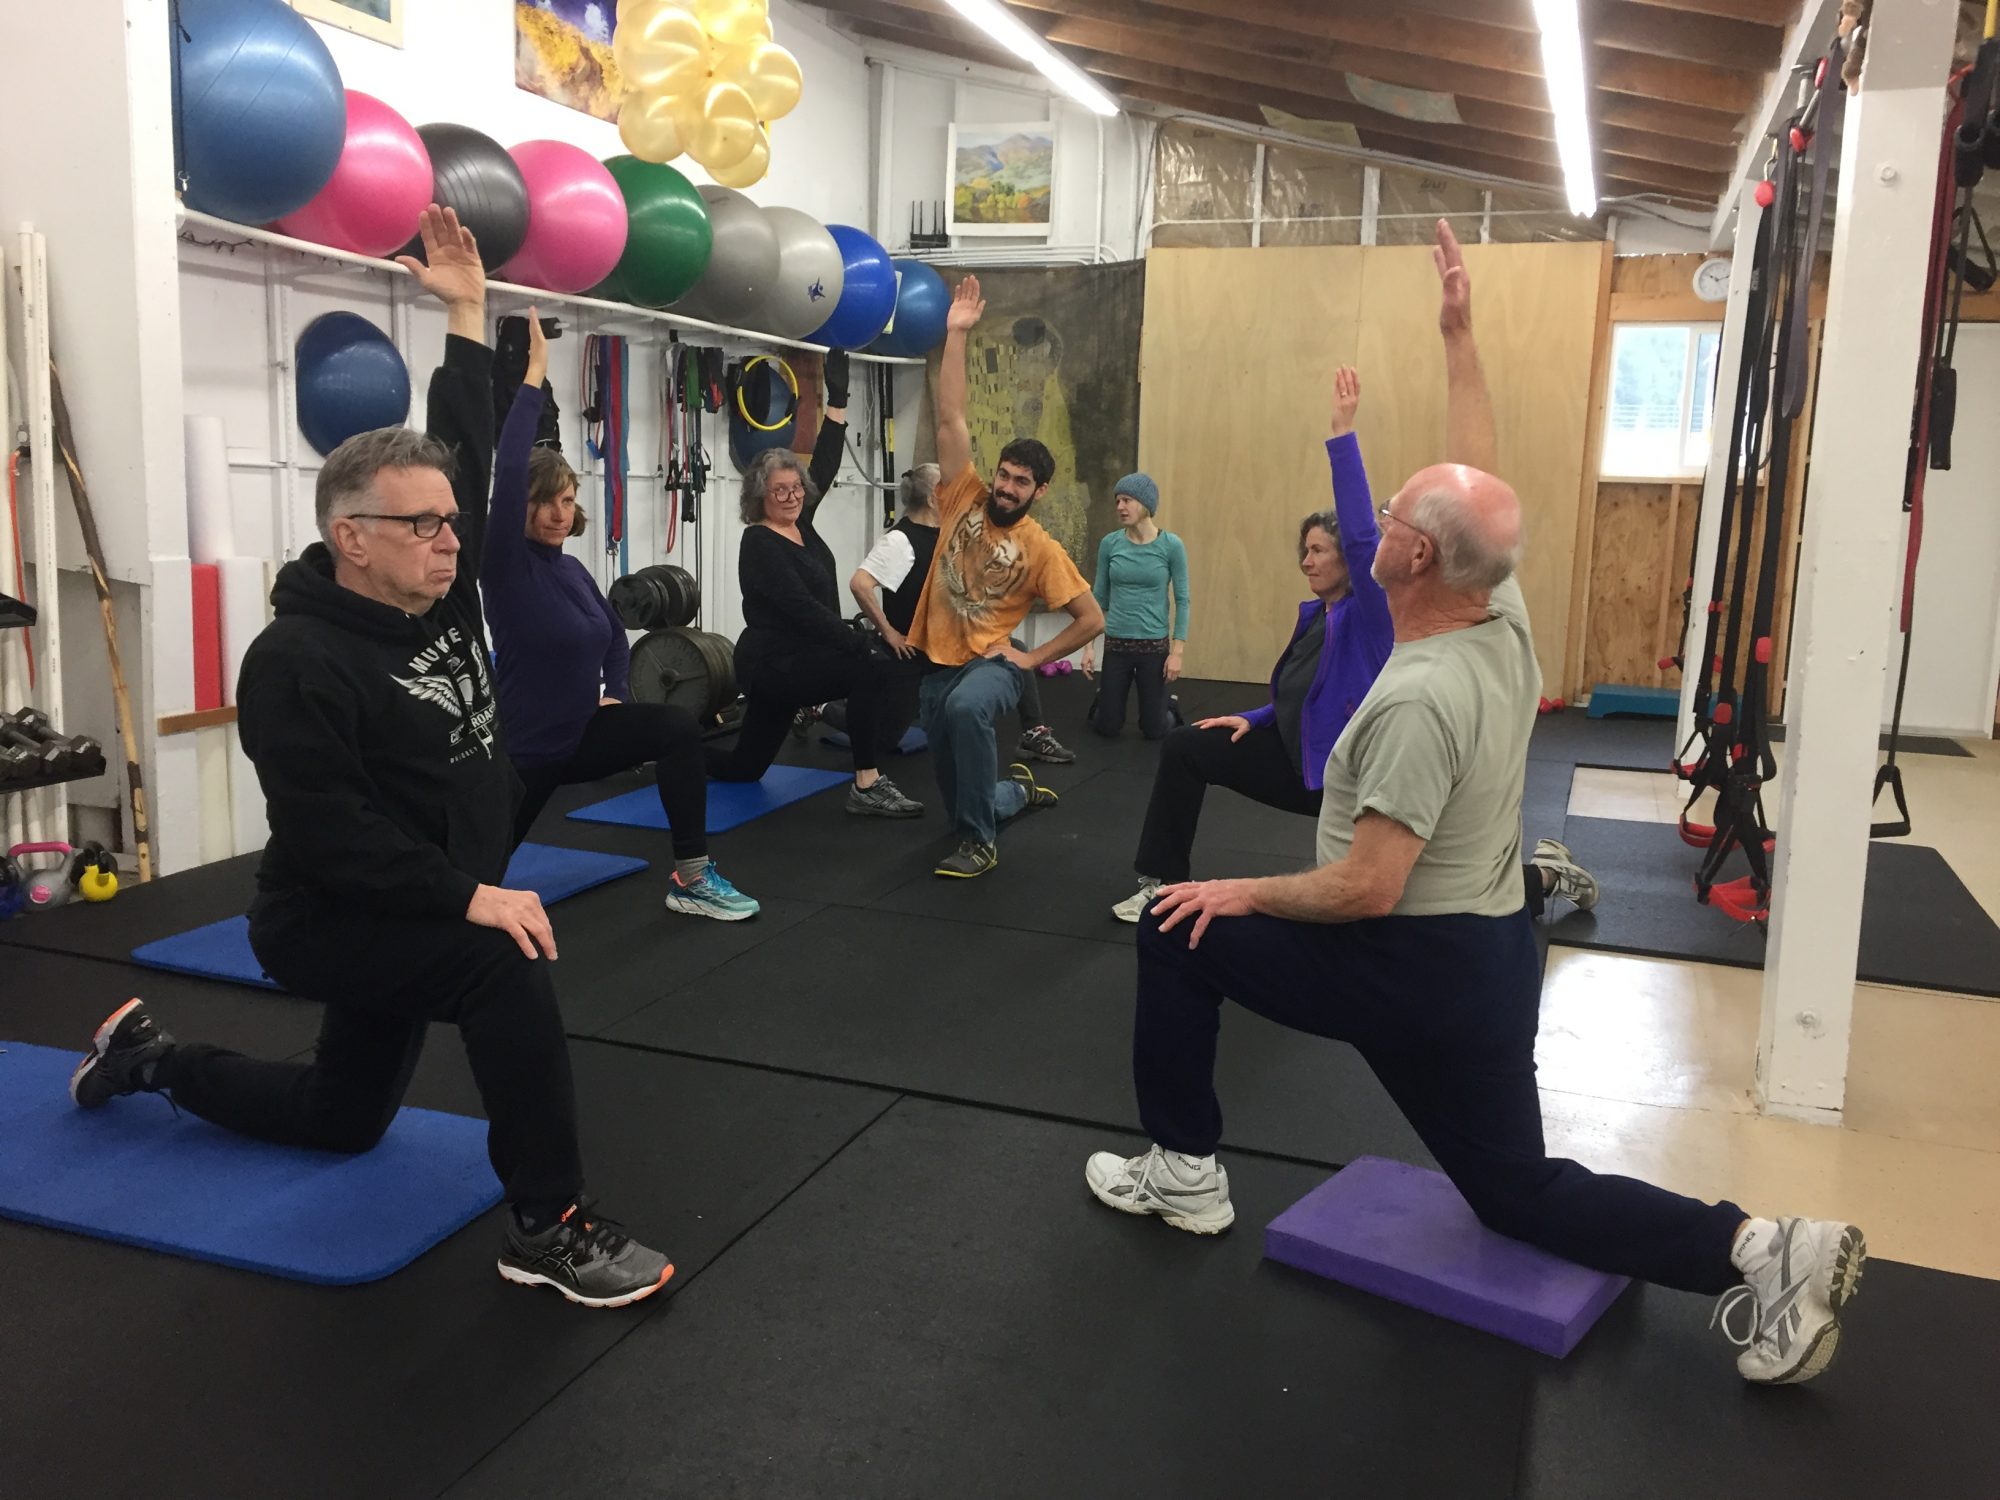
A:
(350, 379)
(922, 300)
(261, 115)
(867, 294)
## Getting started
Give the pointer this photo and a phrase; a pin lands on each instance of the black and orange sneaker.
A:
(123, 1058)
(586, 1257)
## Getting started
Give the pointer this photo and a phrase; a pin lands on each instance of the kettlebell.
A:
(48, 888)
(93, 873)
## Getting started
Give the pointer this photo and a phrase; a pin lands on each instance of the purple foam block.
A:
(1404, 1233)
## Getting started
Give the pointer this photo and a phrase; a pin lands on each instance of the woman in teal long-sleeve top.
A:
(1136, 566)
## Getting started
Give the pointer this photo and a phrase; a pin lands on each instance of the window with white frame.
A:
(1662, 394)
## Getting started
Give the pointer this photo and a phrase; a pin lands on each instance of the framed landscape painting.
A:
(1002, 178)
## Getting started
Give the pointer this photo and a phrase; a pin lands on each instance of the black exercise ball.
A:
(473, 175)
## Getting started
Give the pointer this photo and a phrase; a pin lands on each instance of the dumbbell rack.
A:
(16, 614)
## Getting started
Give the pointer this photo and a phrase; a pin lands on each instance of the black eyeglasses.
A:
(425, 524)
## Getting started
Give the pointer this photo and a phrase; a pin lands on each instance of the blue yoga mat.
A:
(221, 950)
(137, 1173)
(730, 803)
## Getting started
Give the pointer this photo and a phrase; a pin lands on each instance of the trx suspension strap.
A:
(1738, 758)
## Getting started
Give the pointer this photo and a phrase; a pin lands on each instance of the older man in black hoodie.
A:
(367, 709)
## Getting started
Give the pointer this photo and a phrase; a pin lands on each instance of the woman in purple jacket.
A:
(563, 662)
(1277, 754)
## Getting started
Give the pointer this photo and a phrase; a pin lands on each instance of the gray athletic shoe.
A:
(1796, 1286)
(1038, 795)
(1572, 881)
(882, 800)
(587, 1258)
(970, 859)
(122, 1055)
(1180, 1189)
(1040, 743)
(1133, 907)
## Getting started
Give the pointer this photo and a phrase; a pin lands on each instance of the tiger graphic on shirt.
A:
(984, 566)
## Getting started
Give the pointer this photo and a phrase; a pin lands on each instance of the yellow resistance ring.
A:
(791, 382)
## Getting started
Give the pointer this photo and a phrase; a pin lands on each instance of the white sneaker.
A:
(1185, 1191)
(1134, 906)
(1796, 1281)
(1572, 881)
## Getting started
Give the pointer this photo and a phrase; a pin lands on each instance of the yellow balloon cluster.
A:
(705, 78)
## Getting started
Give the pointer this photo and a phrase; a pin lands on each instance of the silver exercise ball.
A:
(742, 267)
(810, 276)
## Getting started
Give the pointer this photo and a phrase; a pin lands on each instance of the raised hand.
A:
(967, 307)
(451, 269)
(538, 353)
(1455, 306)
(1346, 398)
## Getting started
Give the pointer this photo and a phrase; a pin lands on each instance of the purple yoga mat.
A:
(1405, 1233)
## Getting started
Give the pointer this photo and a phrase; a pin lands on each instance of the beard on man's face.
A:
(1000, 514)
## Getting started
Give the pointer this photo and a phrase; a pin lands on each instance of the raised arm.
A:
(1470, 433)
(507, 521)
(954, 437)
(459, 407)
(1354, 507)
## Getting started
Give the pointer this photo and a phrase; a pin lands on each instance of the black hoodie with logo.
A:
(375, 733)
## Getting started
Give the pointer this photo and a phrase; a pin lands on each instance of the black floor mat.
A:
(140, 913)
(142, 1374)
(1650, 1405)
(1920, 926)
(59, 999)
(1616, 744)
(1038, 1024)
(944, 1311)
(1912, 744)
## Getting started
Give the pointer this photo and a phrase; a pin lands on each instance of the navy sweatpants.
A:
(1444, 1010)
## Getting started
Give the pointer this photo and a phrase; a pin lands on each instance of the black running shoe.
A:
(120, 1057)
(586, 1257)
(969, 861)
(1041, 743)
(1038, 795)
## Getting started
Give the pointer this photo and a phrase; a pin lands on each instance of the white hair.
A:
(1467, 560)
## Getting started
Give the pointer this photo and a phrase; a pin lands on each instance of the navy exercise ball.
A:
(922, 300)
(350, 379)
(261, 116)
(867, 292)
(475, 177)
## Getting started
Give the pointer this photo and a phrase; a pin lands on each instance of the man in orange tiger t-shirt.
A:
(993, 561)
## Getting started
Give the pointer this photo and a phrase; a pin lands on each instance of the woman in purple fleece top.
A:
(563, 660)
(1277, 754)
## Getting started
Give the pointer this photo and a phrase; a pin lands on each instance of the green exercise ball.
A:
(668, 243)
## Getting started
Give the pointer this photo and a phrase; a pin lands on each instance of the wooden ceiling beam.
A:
(1661, 117)
(1712, 40)
(1777, 13)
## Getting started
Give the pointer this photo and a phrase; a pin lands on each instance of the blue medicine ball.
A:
(922, 300)
(350, 379)
(260, 115)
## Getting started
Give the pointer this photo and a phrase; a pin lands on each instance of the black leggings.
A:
(618, 737)
(1258, 766)
(776, 688)
(1148, 669)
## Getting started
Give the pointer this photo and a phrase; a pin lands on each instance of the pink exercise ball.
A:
(378, 188)
(576, 219)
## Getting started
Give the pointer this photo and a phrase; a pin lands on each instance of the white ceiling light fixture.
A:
(1562, 66)
(1007, 29)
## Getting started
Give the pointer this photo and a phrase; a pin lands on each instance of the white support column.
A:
(1708, 533)
(1371, 202)
(1849, 556)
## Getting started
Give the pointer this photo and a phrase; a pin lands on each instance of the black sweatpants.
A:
(777, 687)
(618, 737)
(382, 979)
(1444, 1010)
(1258, 766)
(1121, 670)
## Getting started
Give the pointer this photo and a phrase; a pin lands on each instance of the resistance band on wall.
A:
(1735, 758)
(607, 370)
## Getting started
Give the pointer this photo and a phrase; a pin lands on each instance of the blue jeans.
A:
(1444, 1010)
(961, 707)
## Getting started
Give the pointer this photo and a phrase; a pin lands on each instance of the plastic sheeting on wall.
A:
(1204, 182)
(1311, 197)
